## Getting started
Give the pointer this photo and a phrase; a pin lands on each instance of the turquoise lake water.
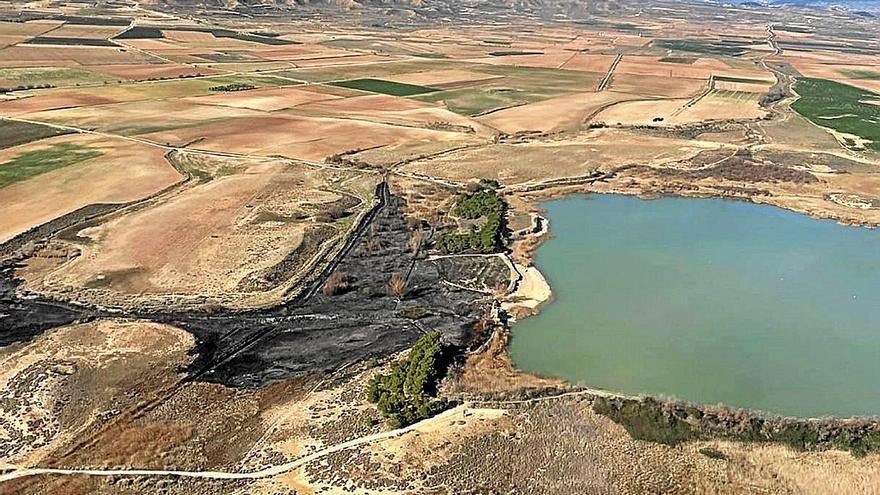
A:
(711, 301)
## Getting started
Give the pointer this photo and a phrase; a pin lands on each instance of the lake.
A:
(711, 301)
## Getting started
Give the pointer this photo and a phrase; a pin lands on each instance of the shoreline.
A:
(692, 412)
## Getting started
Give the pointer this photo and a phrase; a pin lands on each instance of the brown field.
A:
(208, 241)
(721, 106)
(27, 29)
(329, 61)
(60, 99)
(702, 68)
(124, 172)
(66, 56)
(87, 32)
(589, 63)
(517, 164)
(551, 59)
(131, 118)
(307, 138)
(657, 86)
(267, 100)
(833, 70)
(642, 112)
(10, 40)
(152, 71)
(545, 116)
(742, 87)
(393, 111)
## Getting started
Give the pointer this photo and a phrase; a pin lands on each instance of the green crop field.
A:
(517, 86)
(37, 76)
(384, 87)
(742, 80)
(33, 163)
(16, 133)
(861, 74)
(704, 47)
(513, 53)
(840, 107)
(58, 40)
(474, 101)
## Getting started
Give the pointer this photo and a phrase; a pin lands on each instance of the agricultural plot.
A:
(871, 75)
(84, 171)
(57, 40)
(35, 55)
(514, 164)
(334, 72)
(743, 80)
(384, 87)
(852, 114)
(47, 76)
(268, 100)
(17, 133)
(703, 47)
(208, 241)
(85, 32)
(517, 86)
(139, 33)
(29, 164)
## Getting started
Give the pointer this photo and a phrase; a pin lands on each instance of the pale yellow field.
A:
(546, 116)
(263, 99)
(124, 172)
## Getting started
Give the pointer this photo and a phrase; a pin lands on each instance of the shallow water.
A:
(711, 301)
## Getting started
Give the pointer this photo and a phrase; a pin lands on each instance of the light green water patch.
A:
(710, 301)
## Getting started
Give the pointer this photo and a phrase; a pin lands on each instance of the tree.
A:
(406, 394)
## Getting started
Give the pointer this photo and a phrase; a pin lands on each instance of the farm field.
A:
(852, 113)
(58, 175)
(284, 247)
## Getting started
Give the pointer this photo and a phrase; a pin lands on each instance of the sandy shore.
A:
(531, 292)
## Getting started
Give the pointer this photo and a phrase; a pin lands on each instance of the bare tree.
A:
(397, 285)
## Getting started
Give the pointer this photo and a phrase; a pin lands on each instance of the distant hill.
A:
(852, 5)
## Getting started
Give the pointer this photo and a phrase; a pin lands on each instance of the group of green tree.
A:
(233, 87)
(406, 394)
(483, 202)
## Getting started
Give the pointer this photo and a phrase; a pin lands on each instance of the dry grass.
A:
(416, 240)
(336, 283)
(397, 285)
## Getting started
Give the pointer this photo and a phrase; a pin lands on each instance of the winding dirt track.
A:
(222, 475)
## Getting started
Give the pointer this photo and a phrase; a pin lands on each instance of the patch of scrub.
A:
(708, 300)
(33, 163)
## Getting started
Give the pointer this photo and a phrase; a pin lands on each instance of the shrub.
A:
(406, 394)
(337, 282)
(397, 285)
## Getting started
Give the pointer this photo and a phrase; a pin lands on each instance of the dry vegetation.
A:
(234, 199)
